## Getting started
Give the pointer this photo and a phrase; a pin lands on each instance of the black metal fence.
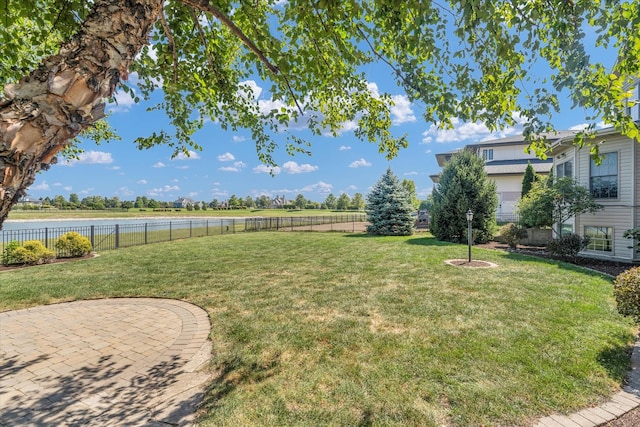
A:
(108, 237)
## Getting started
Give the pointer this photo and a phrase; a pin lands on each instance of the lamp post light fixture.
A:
(469, 220)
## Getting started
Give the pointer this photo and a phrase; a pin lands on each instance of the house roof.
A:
(519, 139)
(511, 167)
(560, 144)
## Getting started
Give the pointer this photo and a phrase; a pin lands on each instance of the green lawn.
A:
(347, 329)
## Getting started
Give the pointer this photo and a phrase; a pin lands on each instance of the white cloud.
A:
(114, 168)
(584, 126)
(401, 110)
(293, 167)
(226, 157)
(162, 190)
(125, 192)
(182, 167)
(267, 169)
(411, 173)
(67, 188)
(320, 187)
(57, 184)
(468, 131)
(123, 101)
(142, 182)
(216, 192)
(40, 187)
(189, 155)
(192, 194)
(90, 158)
(250, 90)
(237, 138)
(360, 163)
(352, 188)
(344, 147)
(159, 165)
(235, 168)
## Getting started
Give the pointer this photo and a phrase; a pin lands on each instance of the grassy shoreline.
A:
(338, 329)
(40, 215)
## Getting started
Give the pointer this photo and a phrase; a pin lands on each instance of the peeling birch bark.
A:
(42, 113)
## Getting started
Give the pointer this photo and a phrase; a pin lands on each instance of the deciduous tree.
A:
(463, 60)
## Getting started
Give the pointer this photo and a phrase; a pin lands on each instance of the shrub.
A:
(8, 254)
(73, 244)
(512, 233)
(567, 246)
(33, 252)
(626, 289)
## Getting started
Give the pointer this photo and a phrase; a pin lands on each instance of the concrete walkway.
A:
(128, 361)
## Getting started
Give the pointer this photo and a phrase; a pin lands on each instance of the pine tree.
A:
(463, 186)
(389, 208)
(529, 178)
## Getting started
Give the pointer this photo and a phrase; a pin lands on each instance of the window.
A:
(487, 154)
(566, 229)
(603, 178)
(565, 169)
(600, 238)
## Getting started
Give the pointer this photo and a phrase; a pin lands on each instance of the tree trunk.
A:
(42, 113)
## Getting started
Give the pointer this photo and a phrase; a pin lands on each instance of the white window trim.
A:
(604, 199)
(610, 253)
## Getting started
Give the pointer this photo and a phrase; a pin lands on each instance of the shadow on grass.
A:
(429, 241)
(565, 265)
(616, 359)
(233, 374)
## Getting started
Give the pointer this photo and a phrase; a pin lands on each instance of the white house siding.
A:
(507, 152)
(508, 188)
(617, 213)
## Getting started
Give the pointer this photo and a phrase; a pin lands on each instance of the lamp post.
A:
(469, 220)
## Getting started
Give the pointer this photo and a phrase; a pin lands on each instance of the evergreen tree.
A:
(463, 186)
(389, 208)
(529, 178)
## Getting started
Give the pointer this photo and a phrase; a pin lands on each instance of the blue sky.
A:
(228, 163)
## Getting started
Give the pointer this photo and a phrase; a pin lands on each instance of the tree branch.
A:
(172, 45)
(204, 6)
(203, 40)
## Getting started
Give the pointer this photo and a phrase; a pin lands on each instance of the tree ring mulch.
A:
(473, 264)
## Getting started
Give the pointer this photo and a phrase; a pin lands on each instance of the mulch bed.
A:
(53, 261)
(612, 268)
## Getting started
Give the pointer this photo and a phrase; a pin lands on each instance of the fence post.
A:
(233, 224)
(145, 233)
(93, 238)
(221, 226)
(207, 226)
(170, 231)
(117, 236)
(190, 229)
